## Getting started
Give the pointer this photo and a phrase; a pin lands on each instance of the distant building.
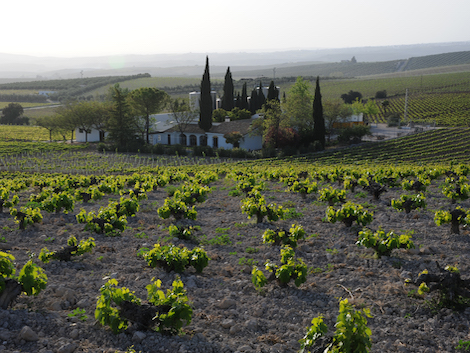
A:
(355, 119)
(46, 93)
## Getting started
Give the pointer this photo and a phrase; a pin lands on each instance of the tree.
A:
(367, 108)
(48, 122)
(273, 122)
(243, 102)
(239, 114)
(318, 120)
(261, 97)
(227, 99)
(182, 115)
(147, 101)
(254, 101)
(273, 92)
(353, 134)
(218, 115)
(121, 124)
(334, 112)
(205, 105)
(233, 138)
(11, 114)
(381, 94)
(298, 108)
(81, 115)
(351, 97)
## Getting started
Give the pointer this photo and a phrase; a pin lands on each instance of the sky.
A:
(111, 27)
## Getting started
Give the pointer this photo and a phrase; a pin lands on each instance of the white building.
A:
(162, 122)
(194, 136)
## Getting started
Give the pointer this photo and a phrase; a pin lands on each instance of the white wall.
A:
(94, 136)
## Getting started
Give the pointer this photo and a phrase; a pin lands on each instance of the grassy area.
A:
(25, 105)
(25, 133)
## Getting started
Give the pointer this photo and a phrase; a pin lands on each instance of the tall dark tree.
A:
(243, 103)
(205, 103)
(121, 125)
(254, 101)
(273, 92)
(318, 119)
(227, 99)
(261, 96)
(237, 101)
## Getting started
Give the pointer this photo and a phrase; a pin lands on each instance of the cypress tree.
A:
(273, 92)
(261, 96)
(121, 124)
(318, 120)
(227, 99)
(205, 103)
(254, 101)
(243, 103)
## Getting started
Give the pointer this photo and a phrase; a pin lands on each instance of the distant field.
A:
(158, 82)
(36, 113)
(25, 133)
(25, 105)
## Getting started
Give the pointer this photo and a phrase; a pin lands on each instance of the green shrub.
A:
(349, 213)
(31, 279)
(409, 202)
(382, 243)
(282, 236)
(332, 195)
(351, 335)
(174, 258)
(170, 312)
(256, 206)
(291, 268)
(74, 249)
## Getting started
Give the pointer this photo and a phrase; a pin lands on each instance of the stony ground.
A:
(229, 314)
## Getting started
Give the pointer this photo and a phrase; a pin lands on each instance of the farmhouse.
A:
(194, 136)
(165, 131)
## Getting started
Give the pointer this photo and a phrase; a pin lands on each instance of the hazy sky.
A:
(107, 27)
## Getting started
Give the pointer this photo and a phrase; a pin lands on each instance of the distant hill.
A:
(191, 64)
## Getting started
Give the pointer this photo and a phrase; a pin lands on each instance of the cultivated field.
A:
(229, 313)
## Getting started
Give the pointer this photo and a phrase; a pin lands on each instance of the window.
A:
(169, 139)
(183, 140)
(215, 142)
(192, 140)
(203, 140)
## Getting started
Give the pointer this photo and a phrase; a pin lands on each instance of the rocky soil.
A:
(229, 315)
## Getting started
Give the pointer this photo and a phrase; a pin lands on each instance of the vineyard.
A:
(237, 256)
(441, 109)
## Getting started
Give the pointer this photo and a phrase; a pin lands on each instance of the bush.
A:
(353, 134)
(166, 313)
(382, 243)
(351, 335)
(30, 280)
(393, 119)
(381, 94)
